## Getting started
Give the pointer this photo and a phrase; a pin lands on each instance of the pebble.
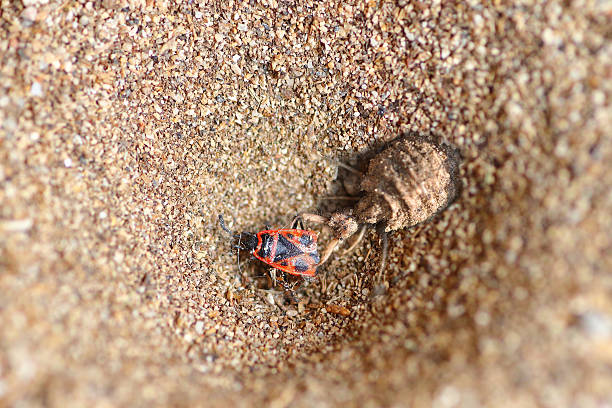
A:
(36, 89)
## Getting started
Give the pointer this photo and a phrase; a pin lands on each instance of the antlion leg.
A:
(319, 219)
(357, 240)
(328, 250)
(342, 224)
(384, 236)
(314, 218)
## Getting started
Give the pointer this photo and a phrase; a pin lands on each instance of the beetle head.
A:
(247, 241)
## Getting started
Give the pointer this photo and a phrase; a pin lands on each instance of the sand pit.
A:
(127, 127)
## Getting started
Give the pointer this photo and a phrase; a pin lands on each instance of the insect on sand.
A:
(409, 182)
(292, 250)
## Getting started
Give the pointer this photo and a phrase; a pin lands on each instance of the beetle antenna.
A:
(222, 222)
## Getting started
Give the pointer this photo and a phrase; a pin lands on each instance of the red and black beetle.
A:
(292, 250)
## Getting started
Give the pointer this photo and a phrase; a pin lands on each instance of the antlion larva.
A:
(414, 178)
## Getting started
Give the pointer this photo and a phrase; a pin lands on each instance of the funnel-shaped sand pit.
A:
(128, 127)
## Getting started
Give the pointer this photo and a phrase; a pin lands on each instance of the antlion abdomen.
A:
(409, 182)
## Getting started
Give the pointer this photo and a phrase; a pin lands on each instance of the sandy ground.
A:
(127, 127)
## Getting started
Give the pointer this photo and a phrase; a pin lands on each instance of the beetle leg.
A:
(238, 255)
(288, 288)
(272, 274)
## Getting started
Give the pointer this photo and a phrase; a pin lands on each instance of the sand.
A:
(127, 127)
